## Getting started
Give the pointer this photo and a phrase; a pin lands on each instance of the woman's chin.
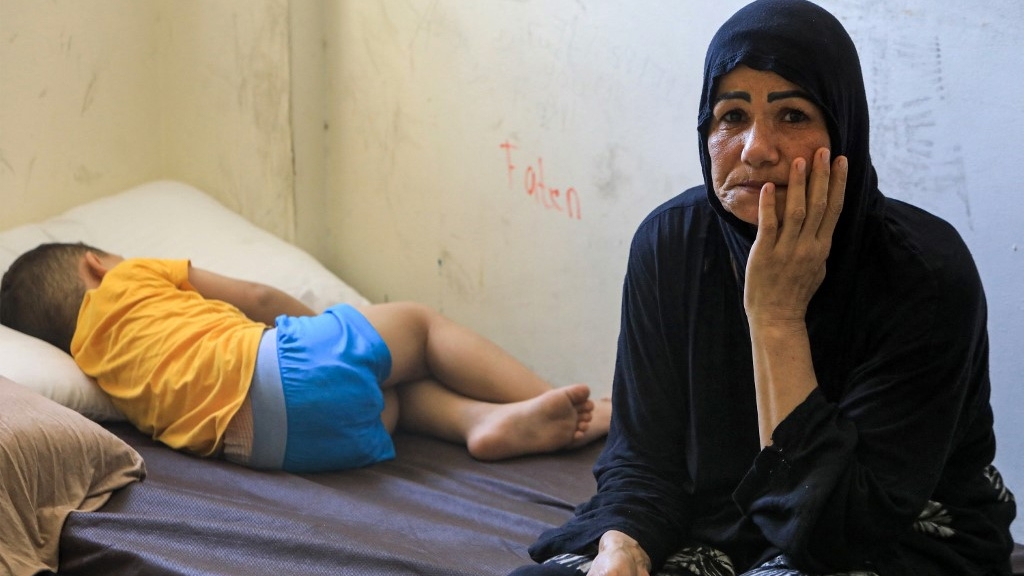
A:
(748, 215)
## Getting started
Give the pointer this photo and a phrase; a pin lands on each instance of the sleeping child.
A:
(221, 367)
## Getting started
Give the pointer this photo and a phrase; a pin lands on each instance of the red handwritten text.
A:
(567, 201)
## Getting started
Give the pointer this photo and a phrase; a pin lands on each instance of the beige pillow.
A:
(52, 461)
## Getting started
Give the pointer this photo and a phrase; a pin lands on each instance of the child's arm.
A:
(257, 301)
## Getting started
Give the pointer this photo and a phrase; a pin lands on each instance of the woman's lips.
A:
(754, 187)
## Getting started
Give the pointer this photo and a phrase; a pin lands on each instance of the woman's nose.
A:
(759, 145)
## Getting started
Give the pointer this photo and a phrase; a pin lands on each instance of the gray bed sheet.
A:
(431, 511)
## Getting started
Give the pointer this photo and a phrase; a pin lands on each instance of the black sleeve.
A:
(852, 467)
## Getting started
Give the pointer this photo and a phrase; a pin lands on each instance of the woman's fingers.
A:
(767, 221)
(796, 202)
(813, 203)
(818, 193)
(787, 260)
(836, 196)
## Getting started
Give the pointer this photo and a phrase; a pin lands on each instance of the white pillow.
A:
(51, 372)
(162, 219)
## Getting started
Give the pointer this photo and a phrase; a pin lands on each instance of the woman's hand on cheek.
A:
(787, 260)
(620, 555)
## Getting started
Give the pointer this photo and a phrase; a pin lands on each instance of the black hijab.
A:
(806, 45)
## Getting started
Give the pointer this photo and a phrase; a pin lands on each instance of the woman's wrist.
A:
(615, 540)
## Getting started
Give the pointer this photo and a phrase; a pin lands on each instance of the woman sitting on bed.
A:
(218, 366)
(802, 380)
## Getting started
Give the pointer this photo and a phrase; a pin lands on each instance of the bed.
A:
(84, 493)
(128, 505)
(432, 510)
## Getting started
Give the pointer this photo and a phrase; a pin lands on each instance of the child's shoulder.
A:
(149, 270)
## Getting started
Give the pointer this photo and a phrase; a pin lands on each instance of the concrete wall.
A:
(100, 95)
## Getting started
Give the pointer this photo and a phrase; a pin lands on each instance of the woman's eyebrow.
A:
(773, 96)
(734, 95)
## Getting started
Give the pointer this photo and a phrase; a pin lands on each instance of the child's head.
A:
(42, 292)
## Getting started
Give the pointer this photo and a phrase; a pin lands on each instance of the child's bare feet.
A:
(557, 419)
(600, 422)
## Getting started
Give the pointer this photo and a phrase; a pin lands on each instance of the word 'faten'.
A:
(567, 202)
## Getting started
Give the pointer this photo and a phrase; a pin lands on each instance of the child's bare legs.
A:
(557, 419)
(454, 384)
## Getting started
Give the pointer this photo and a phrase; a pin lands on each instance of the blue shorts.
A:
(316, 396)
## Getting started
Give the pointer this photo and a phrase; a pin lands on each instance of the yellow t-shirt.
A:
(176, 364)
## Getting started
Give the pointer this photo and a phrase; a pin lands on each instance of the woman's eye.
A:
(794, 116)
(731, 116)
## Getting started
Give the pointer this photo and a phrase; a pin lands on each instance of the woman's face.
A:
(760, 123)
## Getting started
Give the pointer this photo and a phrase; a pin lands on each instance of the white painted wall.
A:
(601, 96)
(97, 96)
(226, 103)
(79, 103)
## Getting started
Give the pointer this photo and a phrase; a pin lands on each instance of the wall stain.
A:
(83, 175)
(917, 153)
(90, 93)
(5, 163)
(457, 277)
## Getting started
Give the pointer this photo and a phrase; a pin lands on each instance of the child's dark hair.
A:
(41, 292)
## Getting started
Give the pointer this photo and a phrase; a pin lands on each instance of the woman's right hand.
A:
(620, 555)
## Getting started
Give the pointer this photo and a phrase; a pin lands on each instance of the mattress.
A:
(433, 510)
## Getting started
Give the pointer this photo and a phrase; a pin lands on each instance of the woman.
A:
(802, 375)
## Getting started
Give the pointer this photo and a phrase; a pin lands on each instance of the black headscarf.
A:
(806, 45)
(809, 47)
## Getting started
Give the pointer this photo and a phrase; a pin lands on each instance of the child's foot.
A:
(597, 427)
(557, 419)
